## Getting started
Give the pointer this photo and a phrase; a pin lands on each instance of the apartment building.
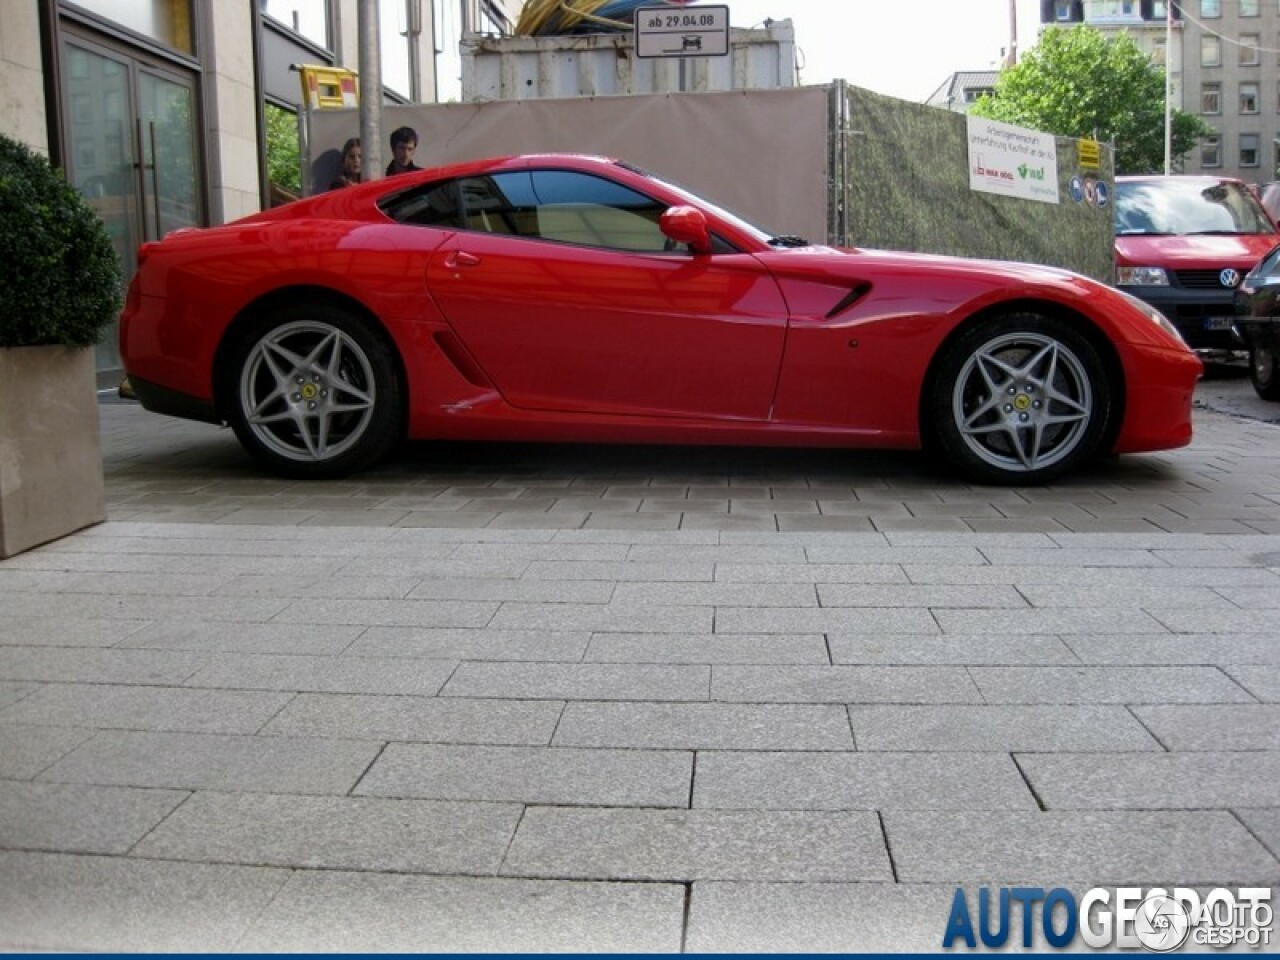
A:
(1225, 66)
(156, 109)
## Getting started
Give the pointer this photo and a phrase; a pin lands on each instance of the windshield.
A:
(1191, 206)
(730, 218)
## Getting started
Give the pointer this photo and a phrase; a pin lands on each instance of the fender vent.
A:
(852, 297)
(457, 354)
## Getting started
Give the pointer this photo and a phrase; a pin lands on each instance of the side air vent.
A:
(457, 354)
(852, 297)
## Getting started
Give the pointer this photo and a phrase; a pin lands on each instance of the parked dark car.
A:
(1258, 323)
(1184, 243)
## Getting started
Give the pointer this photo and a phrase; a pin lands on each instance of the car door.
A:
(562, 290)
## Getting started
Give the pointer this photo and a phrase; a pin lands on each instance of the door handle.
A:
(460, 258)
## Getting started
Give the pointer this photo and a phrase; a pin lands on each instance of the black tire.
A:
(1019, 399)
(1263, 372)
(313, 392)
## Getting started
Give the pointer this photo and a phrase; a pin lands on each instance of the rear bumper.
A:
(172, 403)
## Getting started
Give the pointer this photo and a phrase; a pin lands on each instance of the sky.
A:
(905, 48)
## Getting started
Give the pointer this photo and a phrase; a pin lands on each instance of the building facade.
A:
(1225, 66)
(157, 110)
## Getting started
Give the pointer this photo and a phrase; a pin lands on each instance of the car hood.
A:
(1191, 252)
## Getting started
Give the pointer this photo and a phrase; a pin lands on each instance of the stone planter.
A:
(51, 481)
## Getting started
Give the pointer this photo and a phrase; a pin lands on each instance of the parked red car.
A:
(1184, 243)
(575, 298)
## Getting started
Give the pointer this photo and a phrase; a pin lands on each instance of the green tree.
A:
(283, 167)
(1079, 83)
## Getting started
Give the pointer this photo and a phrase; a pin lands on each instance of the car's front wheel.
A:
(314, 392)
(1263, 372)
(1019, 399)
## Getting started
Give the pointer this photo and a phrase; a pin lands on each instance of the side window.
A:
(433, 205)
(566, 207)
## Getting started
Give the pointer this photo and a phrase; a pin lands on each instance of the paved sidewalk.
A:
(630, 699)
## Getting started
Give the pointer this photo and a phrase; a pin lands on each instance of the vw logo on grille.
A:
(1229, 277)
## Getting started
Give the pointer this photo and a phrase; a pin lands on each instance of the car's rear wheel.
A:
(314, 392)
(1019, 399)
(1263, 372)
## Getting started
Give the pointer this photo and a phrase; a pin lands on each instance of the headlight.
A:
(1142, 276)
(1154, 315)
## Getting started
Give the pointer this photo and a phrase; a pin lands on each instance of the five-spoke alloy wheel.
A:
(314, 392)
(1019, 399)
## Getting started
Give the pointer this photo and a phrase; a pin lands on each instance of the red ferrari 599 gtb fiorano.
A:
(572, 298)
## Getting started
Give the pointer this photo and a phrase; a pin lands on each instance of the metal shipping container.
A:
(601, 64)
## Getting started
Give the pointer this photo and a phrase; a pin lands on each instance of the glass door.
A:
(131, 151)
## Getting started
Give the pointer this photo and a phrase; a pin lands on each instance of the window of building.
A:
(1211, 98)
(1211, 152)
(1210, 51)
(397, 33)
(1158, 55)
(306, 18)
(1248, 8)
(1248, 98)
(1250, 49)
(168, 21)
(1250, 154)
(1062, 11)
(1210, 8)
(1112, 10)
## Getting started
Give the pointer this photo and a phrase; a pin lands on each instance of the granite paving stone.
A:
(342, 674)
(586, 681)
(75, 818)
(11, 693)
(454, 720)
(859, 781)
(85, 606)
(57, 902)
(389, 613)
(712, 648)
(95, 665)
(1166, 781)
(50, 630)
(1097, 848)
(942, 649)
(303, 585)
(193, 761)
(1265, 825)
(621, 571)
(246, 638)
(913, 595)
(1003, 728)
(717, 594)
(1106, 577)
(105, 706)
(787, 918)
(806, 620)
(1261, 681)
(1213, 728)
(616, 617)
(704, 726)
(520, 591)
(364, 913)
(533, 775)
(466, 644)
(860, 573)
(366, 833)
(1107, 685)
(842, 684)
(1066, 621)
(25, 750)
(686, 845)
(1169, 650)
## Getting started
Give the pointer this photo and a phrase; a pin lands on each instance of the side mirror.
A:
(687, 225)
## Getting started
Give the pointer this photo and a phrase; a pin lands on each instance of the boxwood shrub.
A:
(59, 277)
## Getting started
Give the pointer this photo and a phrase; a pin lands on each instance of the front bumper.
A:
(1205, 318)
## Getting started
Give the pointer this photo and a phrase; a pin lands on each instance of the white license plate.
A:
(1218, 323)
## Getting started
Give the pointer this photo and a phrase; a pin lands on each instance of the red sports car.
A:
(572, 298)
